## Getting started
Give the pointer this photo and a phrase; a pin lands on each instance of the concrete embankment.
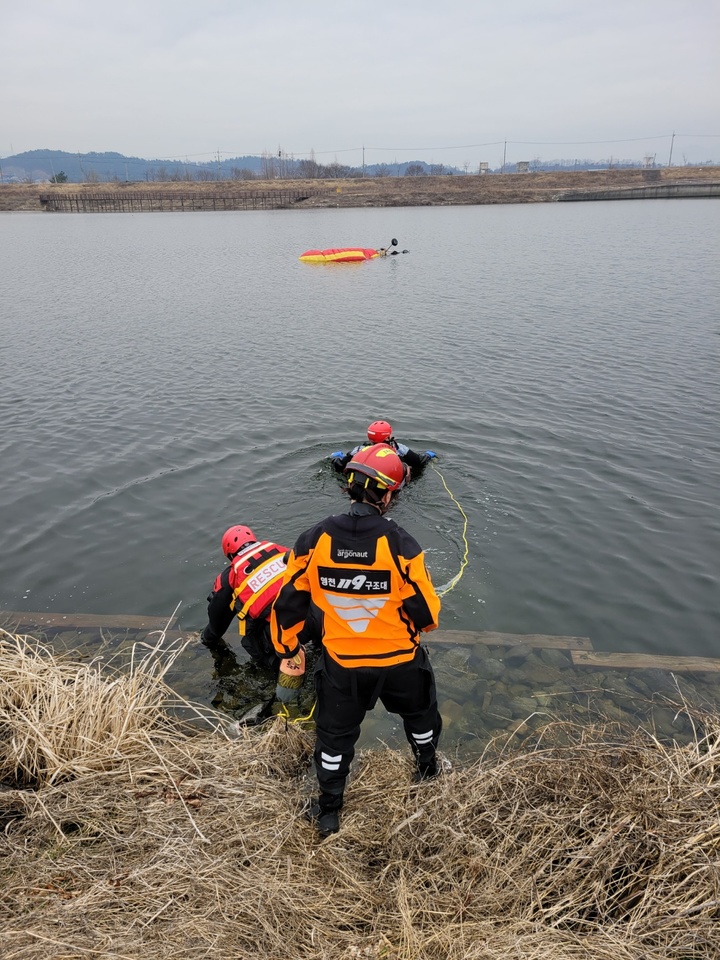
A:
(660, 191)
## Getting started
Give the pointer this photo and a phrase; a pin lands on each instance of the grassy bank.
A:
(371, 192)
(135, 827)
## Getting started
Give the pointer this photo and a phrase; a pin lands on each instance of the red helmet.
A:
(235, 538)
(379, 431)
(379, 463)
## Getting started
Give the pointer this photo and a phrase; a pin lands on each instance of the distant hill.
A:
(36, 166)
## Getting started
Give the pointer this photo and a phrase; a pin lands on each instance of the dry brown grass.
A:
(373, 191)
(128, 833)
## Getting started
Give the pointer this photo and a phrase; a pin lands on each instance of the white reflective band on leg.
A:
(423, 737)
(330, 762)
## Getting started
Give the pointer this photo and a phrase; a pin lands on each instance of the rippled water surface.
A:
(164, 375)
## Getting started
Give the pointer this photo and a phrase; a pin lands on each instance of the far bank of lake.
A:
(420, 191)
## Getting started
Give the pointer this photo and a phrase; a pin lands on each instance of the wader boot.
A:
(425, 769)
(324, 812)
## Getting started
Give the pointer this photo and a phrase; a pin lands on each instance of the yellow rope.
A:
(456, 579)
(285, 714)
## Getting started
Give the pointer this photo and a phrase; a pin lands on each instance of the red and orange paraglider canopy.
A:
(346, 254)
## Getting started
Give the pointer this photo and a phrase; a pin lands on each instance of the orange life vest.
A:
(256, 577)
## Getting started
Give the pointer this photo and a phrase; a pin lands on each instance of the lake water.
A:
(165, 375)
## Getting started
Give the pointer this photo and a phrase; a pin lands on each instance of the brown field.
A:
(370, 192)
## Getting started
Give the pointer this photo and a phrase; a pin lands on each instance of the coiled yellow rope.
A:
(451, 584)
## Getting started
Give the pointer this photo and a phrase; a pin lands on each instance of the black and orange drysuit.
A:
(367, 577)
(246, 589)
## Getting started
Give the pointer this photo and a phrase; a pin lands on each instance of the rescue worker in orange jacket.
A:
(246, 589)
(367, 576)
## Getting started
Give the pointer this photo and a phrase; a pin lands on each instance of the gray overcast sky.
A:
(446, 81)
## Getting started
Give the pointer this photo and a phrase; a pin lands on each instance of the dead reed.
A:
(128, 833)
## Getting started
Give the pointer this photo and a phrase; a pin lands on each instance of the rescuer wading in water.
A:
(380, 431)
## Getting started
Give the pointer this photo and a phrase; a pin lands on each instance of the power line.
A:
(464, 146)
(214, 157)
(580, 143)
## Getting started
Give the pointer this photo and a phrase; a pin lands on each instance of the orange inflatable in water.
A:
(344, 254)
(340, 255)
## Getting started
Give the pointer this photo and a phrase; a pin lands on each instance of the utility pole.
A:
(363, 167)
(504, 156)
(672, 141)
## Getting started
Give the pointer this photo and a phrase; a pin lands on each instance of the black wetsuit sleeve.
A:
(416, 461)
(339, 463)
(220, 609)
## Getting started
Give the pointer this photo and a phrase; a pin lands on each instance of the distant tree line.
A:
(58, 166)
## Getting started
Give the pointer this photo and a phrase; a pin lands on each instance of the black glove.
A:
(210, 638)
(286, 694)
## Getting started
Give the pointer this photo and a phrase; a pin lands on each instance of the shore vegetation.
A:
(134, 824)
(477, 189)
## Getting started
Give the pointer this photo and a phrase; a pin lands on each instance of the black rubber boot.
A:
(324, 812)
(425, 770)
